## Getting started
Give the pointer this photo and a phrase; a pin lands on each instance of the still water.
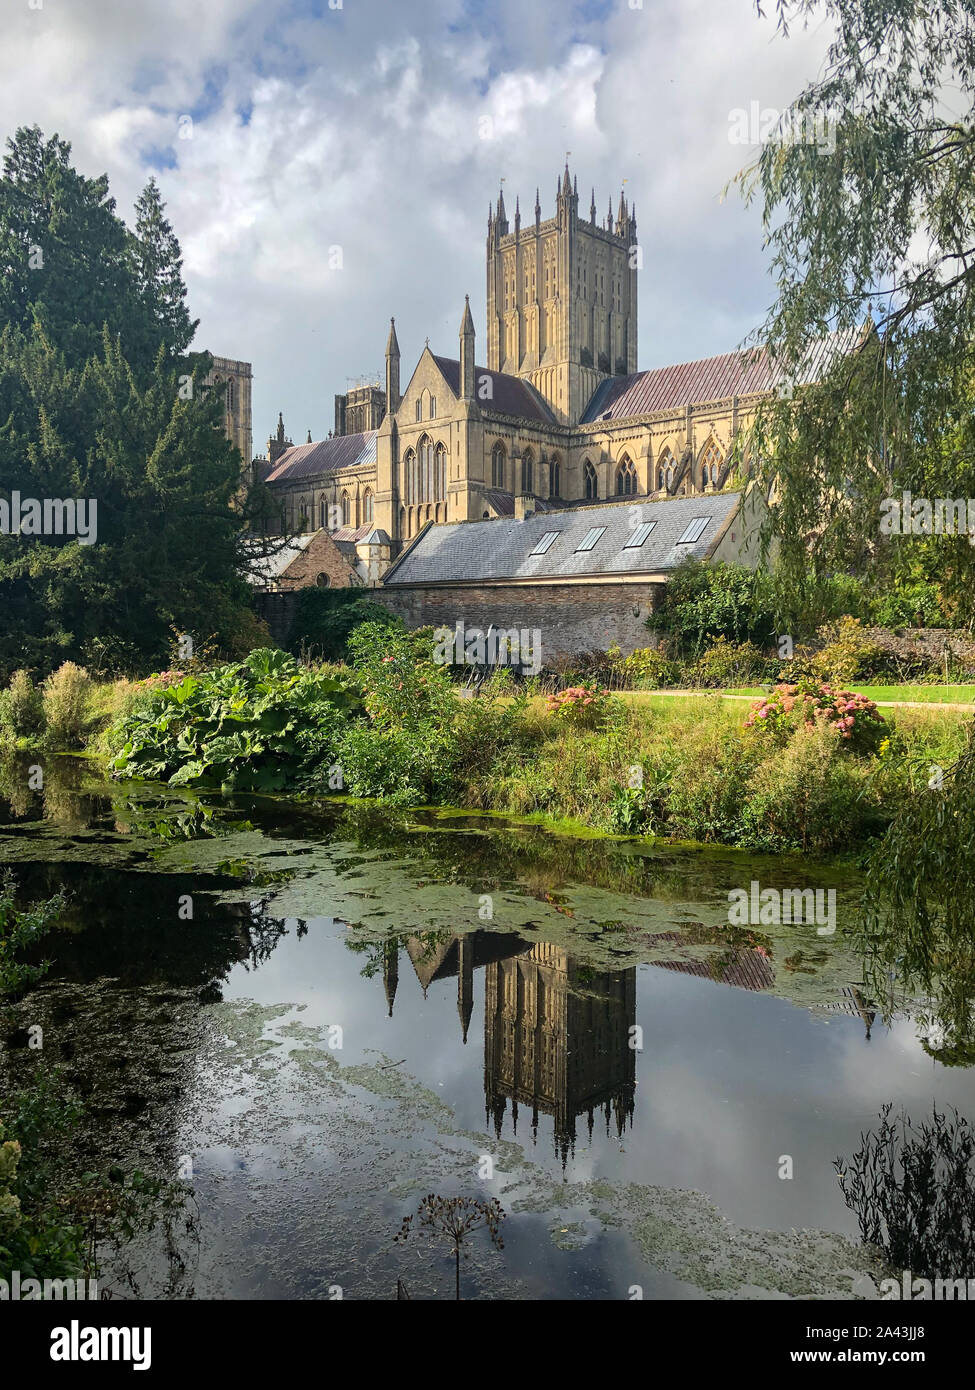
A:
(316, 1014)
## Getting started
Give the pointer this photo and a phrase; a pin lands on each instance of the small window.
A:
(694, 531)
(545, 543)
(590, 538)
(419, 411)
(433, 407)
(636, 539)
(323, 581)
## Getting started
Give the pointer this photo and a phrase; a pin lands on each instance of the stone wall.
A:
(570, 618)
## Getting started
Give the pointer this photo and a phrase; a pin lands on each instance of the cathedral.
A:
(559, 417)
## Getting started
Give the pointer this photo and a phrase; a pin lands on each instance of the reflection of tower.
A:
(390, 971)
(557, 1038)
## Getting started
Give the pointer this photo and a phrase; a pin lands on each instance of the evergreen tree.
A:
(159, 272)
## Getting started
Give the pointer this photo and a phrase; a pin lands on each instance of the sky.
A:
(329, 163)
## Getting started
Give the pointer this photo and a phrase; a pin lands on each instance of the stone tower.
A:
(562, 298)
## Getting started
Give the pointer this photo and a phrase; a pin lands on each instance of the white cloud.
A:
(365, 130)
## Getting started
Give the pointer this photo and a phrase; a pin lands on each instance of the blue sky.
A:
(280, 129)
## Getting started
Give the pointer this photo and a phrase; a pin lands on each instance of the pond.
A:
(316, 1013)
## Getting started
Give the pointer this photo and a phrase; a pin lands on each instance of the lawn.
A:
(913, 694)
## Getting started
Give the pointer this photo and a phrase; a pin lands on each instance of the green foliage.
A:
(65, 701)
(893, 411)
(325, 618)
(21, 928)
(706, 601)
(98, 402)
(21, 708)
(647, 668)
(731, 663)
(256, 725)
(580, 706)
(856, 720)
(402, 685)
(847, 653)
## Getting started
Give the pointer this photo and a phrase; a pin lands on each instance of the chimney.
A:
(524, 506)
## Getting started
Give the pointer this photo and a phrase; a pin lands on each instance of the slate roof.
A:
(742, 373)
(500, 548)
(510, 395)
(327, 456)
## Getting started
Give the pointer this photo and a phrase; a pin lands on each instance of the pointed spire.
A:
(575, 186)
(592, 208)
(609, 215)
(308, 440)
(280, 427)
(517, 216)
(538, 205)
(392, 344)
(467, 322)
(501, 212)
(566, 181)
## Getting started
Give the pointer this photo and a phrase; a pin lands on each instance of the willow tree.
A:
(868, 194)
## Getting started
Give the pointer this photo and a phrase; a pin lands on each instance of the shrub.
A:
(732, 663)
(21, 707)
(847, 653)
(325, 619)
(709, 783)
(256, 725)
(402, 685)
(394, 764)
(648, 668)
(580, 706)
(808, 796)
(65, 696)
(705, 601)
(855, 718)
(20, 928)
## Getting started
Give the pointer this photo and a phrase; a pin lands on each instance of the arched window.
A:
(440, 474)
(402, 521)
(323, 514)
(433, 407)
(592, 484)
(665, 469)
(710, 465)
(302, 515)
(554, 476)
(409, 477)
(419, 410)
(425, 470)
(625, 477)
(346, 509)
(527, 472)
(497, 465)
(367, 506)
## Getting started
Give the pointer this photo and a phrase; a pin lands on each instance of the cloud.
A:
(385, 130)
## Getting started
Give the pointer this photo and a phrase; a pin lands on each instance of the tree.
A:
(884, 165)
(159, 272)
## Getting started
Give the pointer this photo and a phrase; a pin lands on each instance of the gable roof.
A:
(327, 456)
(750, 371)
(500, 548)
(510, 395)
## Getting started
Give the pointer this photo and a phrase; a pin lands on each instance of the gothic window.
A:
(665, 469)
(346, 509)
(592, 484)
(554, 477)
(419, 411)
(710, 465)
(497, 465)
(440, 474)
(527, 472)
(433, 407)
(402, 521)
(409, 477)
(425, 481)
(367, 506)
(625, 477)
(323, 514)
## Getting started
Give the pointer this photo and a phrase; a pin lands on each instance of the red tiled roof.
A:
(509, 394)
(327, 456)
(743, 373)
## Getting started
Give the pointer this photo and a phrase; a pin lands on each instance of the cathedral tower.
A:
(562, 298)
